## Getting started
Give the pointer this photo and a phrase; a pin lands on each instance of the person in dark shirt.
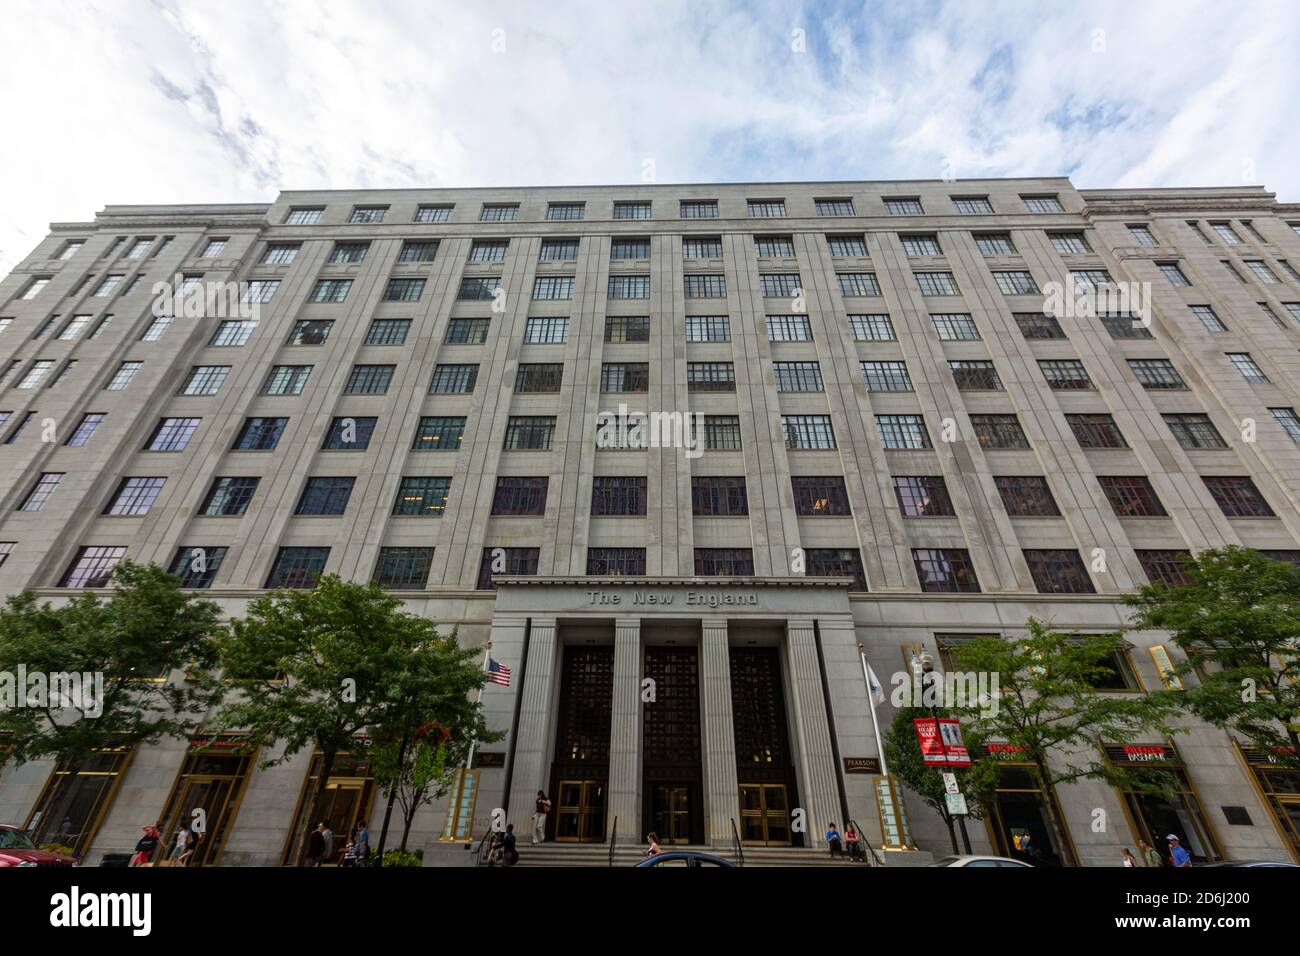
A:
(146, 845)
(315, 845)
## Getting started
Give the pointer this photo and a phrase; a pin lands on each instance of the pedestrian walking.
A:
(146, 845)
(363, 842)
(1178, 855)
(539, 818)
(1150, 855)
(652, 844)
(315, 845)
(327, 844)
(1129, 860)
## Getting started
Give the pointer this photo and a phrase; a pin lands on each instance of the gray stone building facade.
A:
(897, 448)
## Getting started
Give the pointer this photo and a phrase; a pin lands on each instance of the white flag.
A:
(873, 684)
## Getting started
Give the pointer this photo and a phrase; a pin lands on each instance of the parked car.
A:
(981, 861)
(1252, 863)
(675, 858)
(17, 849)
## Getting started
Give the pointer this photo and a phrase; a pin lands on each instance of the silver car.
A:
(980, 861)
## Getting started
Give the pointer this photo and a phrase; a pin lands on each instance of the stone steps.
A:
(597, 854)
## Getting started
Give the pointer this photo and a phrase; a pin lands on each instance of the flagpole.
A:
(487, 651)
(871, 702)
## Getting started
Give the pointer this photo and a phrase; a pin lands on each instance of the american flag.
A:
(498, 673)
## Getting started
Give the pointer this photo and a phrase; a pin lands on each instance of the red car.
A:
(17, 849)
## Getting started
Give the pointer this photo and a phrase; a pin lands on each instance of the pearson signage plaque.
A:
(862, 765)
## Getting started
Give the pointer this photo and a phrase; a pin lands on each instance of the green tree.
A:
(1238, 621)
(323, 668)
(1050, 711)
(904, 760)
(147, 629)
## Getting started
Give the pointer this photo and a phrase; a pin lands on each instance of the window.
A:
(873, 327)
(99, 329)
(228, 497)
(1232, 270)
(615, 562)
(779, 284)
(388, 332)
(403, 569)
(722, 432)
(1086, 280)
(439, 433)
(413, 251)
(433, 214)
(84, 430)
(1035, 325)
(886, 376)
(789, 328)
(36, 374)
(488, 250)
(774, 247)
(260, 434)
(702, 248)
(453, 379)
(520, 496)
(1208, 318)
(628, 287)
(705, 286)
(627, 328)
(834, 207)
(553, 287)
(4, 324)
(310, 332)
(699, 209)
(1065, 374)
(546, 331)
(1174, 274)
(41, 491)
(172, 434)
(631, 210)
(1142, 235)
(63, 373)
(369, 380)
(1096, 431)
(710, 377)
(1194, 430)
(348, 252)
(506, 561)
(936, 283)
(135, 496)
(1289, 270)
(1224, 231)
(1069, 243)
(945, 570)
(422, 497)
(1026, 496)
(1157, 374)
(260, 291)
(708, 328)
(529, 432)
(906, 206)
(954, 327)
(629, 249)
(92, 567)
(797, 376)
(106, 287)
(286, 380)
(1131, 496)
(539, 376)
(499, 212)
(304, 215)
(157, 328)
(808, 431)
(564, 211)
(480, 288)
(404, 290)
(1042, 204)
(820, 496)
(280, 254)
(1237, 497)
(73, 246)
(847, 247)
(557, 250)
(17, 429)
(468, 331)
(1261, 272)
(857, 284)
(1058, 571)
(619, 496)
(625, 377)
(972, 205)
(1290, 422)
(1015, 282)
(322, 497)
(347, 433)
(232, 334)
(724, 562)
(298, 567)
(1165, 566)
(140, 248)
(1248, 368)
(1268, 311)
(766, 208)
(837, 563)
(205, 380)
(921, 245)
(1124, 326)
(998, 432)
(35, 287)
(903, 431)
(922, 496)
(197, 567)
(973, 375)
(79, 322)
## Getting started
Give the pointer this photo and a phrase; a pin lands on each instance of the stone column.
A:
(535, 742)
(721, 791)
(817, 791)
(624, 791)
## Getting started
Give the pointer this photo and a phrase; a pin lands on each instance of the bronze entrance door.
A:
(764, 814)
(764, 762)
(672, 782)
(580, 768)
(580, 811)
(671, 809)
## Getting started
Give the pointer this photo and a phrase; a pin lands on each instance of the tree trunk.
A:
(392, 795)
(317, 800)
(1053, 818)
(409, 819)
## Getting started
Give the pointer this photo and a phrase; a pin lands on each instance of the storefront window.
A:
(1154, 818)
(207, 794)
(1279, 786)
(76, 797)
(1017, 819)
(349, 795)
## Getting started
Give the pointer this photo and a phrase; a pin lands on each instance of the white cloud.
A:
(126, 101)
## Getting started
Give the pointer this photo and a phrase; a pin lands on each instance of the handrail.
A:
(613, 839)
(862, 842)
(485, 842)
(735, 844)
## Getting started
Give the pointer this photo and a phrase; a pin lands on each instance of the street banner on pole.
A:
(927, 735)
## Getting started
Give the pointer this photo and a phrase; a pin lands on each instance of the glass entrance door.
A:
(672, 814)
(212, 796)
(764, 814)
(580, 811)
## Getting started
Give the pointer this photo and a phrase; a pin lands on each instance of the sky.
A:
(175, 101)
